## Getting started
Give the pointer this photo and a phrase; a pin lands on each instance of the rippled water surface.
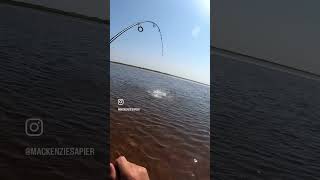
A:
(52, 67)
(170, 135)
(266, 123)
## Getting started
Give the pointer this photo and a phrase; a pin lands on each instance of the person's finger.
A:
(122, 164)
(121, 161)
(113, 174)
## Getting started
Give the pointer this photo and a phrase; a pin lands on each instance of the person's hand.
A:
(127, 170)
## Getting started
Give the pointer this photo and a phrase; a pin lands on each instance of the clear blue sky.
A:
(185, 27)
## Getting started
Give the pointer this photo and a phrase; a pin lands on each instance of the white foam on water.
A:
(195, 160)
(157, 93)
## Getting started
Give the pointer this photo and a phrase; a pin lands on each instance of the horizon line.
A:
(264, 63)
(55, 11)
(168, 74)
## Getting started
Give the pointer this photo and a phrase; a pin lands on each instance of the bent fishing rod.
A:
(140, 29)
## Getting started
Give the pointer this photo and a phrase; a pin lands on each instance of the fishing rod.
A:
(140, 29)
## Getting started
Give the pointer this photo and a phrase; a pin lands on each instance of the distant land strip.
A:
(160, 72)
(262, 62)
(56, 11)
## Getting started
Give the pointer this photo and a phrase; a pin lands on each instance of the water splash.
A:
(193, 174)
(195, 160)
(157, 93)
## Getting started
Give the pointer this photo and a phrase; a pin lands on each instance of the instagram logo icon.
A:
(120, 102)
(34, 127)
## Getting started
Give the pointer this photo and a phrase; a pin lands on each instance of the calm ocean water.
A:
(170, 135)
(266, 123)
(52, 67)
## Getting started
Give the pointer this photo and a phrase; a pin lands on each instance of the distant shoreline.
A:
(264, 63)
(55, 11)
(160, 73)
